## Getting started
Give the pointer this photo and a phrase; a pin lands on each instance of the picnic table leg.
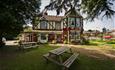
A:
(64, 68)
(60, 59)
(71, 51)
(46, 60)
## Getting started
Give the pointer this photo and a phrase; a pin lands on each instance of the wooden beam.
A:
(51, 25)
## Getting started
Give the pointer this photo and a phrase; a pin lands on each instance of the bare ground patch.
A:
(99, 52)
(103, 52)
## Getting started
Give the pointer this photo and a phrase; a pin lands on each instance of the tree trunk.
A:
(1, 42)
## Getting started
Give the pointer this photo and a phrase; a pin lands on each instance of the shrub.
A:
(84, 41)
(111, 42)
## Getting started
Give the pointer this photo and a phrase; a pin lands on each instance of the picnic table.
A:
(60, 50)
(55, 56)
(26, 45)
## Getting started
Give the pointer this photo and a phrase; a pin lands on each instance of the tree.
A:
(90, 32)
(93, 8)
(104, 30)
(13, 14)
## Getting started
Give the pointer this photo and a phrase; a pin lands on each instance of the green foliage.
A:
(13, 14)
(93, 8)
(85, 42)
(35, 22)
(111, 42)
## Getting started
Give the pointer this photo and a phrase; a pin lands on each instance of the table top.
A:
(28, 43)
(59, 51)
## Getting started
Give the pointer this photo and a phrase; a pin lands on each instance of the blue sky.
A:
(97, 24)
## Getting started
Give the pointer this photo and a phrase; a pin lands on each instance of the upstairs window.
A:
(58, 26)
(43, 25)
(43, 36)
(72, 22)
(78, 22)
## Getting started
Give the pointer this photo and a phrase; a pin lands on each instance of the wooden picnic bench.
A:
(27, 45)
(56, 53)
(69, 61)
(60, 51)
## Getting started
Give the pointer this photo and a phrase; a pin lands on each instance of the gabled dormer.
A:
(73, 19)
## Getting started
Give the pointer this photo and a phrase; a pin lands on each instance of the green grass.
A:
(13, 59)
(100, 42)
(111, 42)
(88, 63)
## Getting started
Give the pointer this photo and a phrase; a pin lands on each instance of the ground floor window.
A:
(74, 36)
(59, 38)
(43, 37)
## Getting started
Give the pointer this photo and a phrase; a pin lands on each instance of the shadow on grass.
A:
(13, 49)
(32, 59)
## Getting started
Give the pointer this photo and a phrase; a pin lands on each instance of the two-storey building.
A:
(59, 29)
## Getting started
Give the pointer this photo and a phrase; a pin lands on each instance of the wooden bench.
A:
(60, 51)
(69, 61)
(66, 64)
(28, 45)
(55, 56)
(48, 58)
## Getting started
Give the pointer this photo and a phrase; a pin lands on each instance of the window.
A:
(72, 22)
(43, 36)
(72, 35)
(77, 22)
(58, 26)
(43, 25)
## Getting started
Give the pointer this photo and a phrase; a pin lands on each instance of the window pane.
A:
(58, 25)
(77, 22)
(72, 22)
(43, 25)
(43, 36)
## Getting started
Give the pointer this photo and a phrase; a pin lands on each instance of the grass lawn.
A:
(100, 42)
(13, 59)
(97, 42)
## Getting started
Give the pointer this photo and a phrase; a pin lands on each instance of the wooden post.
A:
(68, 29)
(60, 59)
(55, 38)
(68, 37)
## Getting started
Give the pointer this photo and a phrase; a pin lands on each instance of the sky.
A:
(97, 24)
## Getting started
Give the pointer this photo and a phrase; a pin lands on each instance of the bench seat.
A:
(27, 47)
(69, 61)
(46, 55)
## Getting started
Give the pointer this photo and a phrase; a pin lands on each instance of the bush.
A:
(111, 42)
(84, 41)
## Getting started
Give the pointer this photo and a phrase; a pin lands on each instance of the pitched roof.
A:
(73, 12)
(51, 18)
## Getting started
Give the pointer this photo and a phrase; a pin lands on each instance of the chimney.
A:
(45, 13)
